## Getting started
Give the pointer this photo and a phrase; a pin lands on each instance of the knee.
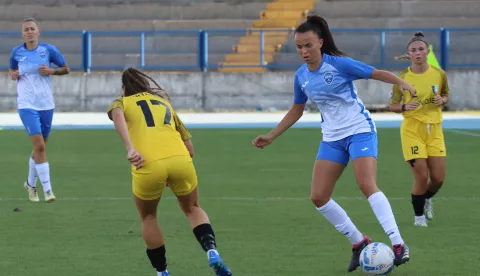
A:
(422, 178)
(437, 179)
(319, 200)
(39, 147)
(190, 209)
(148, 217)
(368, 188)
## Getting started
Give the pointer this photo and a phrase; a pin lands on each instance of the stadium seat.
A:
(241, 47)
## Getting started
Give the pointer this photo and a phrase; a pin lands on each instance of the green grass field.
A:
(258, 201)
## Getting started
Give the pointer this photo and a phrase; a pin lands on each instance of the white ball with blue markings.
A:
(377, 259)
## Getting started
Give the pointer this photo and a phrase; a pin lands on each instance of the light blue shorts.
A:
(354, 146)
(37, 122)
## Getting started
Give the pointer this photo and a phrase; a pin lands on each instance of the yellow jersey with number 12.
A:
(155, 130)
(428, 84)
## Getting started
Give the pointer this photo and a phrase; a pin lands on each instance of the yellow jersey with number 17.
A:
(155, 130)
(428, 84)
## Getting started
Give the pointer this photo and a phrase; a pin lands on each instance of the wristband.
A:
(403, 107)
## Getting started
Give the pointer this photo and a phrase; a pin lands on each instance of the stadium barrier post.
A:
(142, 50)
(202, 53)
(86, 51)
(444, 47)
(382, 48)
(262, 48)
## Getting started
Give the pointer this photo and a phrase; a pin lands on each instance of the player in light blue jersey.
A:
(30, 68)
(348, 130)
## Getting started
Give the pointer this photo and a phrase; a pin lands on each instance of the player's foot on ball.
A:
(402, 254)
(420, 221)
(217, 264)
(164, 273)
(428, 209)
(49, 196)
(356, 250)
(32, 192)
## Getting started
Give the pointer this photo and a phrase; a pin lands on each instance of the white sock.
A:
(339, 218)
(43, 171)
(161, 273)
(382, 209)
(32, 173)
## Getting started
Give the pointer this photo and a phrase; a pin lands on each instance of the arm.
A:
(441, 99)
(395, 103)
(13, 69)
(295, 112)
(133, 156)
(63, 70)
(186, 136)
(188, 143)
(45, 70)
(293, 115)
(58, 59)
(118, 118)
(388, 77)
(400, 108)
(445, 99)
(14, 74)
(397, 108)
(445, 93)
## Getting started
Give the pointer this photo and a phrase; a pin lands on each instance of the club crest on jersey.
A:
(435, 88)
(43, 54)
(328, 77)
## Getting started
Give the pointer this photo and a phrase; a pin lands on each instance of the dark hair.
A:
(319, 26)
(134, 82)
(418, 36)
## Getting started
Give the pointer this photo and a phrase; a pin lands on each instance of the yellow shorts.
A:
(149, 181)
(420, 140)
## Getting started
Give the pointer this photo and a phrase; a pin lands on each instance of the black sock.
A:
(205, 236)
(418, 202)
(429, 194)
(157, 258)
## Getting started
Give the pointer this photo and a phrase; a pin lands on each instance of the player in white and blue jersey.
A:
(30, 67)
(348, 130)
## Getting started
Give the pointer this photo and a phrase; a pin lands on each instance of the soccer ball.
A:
(377, 259)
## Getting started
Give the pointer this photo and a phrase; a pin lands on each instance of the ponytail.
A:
(319, 26)
(135, 81)
(402, 57)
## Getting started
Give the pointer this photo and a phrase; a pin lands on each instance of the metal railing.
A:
(382, 42)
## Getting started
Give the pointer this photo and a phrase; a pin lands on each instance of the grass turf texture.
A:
(257, 200)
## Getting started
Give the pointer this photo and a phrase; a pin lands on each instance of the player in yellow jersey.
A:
(421, 131)
(160, 150)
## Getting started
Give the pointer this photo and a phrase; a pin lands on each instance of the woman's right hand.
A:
(409, 87)
(412, 105)
(262, 141)
(135, 158)
(14, 74)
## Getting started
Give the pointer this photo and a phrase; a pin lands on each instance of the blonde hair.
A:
(31, 19)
